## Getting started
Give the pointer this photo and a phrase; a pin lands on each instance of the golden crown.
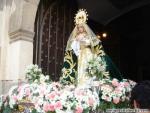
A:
(81, 17)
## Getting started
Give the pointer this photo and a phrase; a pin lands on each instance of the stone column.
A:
(20, 42)
(7, 7)
(21, 34)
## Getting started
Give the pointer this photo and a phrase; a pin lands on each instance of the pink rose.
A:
(58, 105)
(15, 97)
(27, 91)
(126, 84)
(91, 101)
(79, 109)
(51, 107)
(46, 107)
(115, 82)
(116, 100)
(52, 95)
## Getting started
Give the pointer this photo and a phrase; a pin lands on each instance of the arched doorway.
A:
(54, 22)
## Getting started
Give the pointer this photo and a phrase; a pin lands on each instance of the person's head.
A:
(140, 95)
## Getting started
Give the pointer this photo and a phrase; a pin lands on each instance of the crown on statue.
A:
(81, 17)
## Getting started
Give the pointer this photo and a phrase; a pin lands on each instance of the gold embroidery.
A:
(99, 50)
(67, 72)
(69, 59)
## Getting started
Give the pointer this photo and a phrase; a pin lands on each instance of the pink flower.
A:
(126, 84)
(115, 82)
(91, 101)
(46, 107)
(79, 109)
(42, 90)
(58, 105)
(52, 95)
(51, 107)
(27, 91)
(80, 92)
(116, 100)
(15, 97)
(36, 106)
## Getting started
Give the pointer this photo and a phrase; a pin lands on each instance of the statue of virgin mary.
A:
(81, 47)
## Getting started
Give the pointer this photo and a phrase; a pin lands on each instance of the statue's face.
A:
(81, 29)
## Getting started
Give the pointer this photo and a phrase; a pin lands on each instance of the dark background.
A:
(126, 22)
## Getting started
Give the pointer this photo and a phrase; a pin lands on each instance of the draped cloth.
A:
(79, 53)
(91, 36)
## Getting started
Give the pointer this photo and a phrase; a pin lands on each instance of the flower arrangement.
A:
(34, 74)
(52, 97)
(115, 94)
(44, 96)
(112, 92)
(55, 98)
(97, 66)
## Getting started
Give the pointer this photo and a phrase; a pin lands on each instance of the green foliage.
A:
(51, 112)
(110, 105)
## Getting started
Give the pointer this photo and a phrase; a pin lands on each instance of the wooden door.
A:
(54, 23)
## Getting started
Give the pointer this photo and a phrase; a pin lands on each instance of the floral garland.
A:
(52, 97)
(115, 94)
(44, 96)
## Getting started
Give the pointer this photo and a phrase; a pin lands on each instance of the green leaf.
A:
(7, 110)
(34, 111)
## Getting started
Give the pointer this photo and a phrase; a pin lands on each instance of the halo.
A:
(81, 17)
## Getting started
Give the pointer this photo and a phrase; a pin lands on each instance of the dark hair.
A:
(141, 94)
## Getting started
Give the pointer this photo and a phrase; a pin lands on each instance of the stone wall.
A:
(16, 40)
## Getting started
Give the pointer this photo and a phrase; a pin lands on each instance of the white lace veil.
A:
(92, 37)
